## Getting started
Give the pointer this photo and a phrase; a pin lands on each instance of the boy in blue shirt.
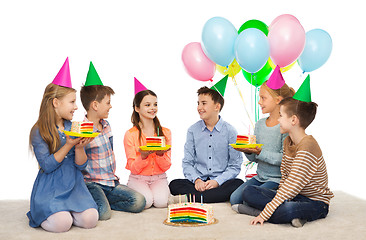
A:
(210, 165)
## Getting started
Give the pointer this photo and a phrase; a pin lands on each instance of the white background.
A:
(144, 39)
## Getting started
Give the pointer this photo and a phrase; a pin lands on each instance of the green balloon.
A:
(254, 24)
(259, 77)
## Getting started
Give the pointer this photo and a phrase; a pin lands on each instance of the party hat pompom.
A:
(92, 78)
(276, 80)
(303, 93)
(138, 86)
(220, 86)
(63, 76)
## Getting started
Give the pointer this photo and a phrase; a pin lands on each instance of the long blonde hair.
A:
(46, 122)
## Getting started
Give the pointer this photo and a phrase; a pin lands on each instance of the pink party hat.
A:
(138, 86)
(276, 80)
(63, 76)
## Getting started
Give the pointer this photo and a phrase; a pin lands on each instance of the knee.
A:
(58, 222)
(89, 218)
(160, 202)
(139, 203)
(104, 213)
(248, 192)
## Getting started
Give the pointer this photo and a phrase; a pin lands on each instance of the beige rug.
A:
(346, 220)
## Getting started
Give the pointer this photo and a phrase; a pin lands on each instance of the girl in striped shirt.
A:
(303, 194)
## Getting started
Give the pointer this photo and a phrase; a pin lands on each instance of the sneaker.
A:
(297, 222)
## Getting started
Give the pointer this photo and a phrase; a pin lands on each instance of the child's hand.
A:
(144, 154)
(72, 141)
(211, 184)
(200, 185)
(83, 142)
(256, 220)
(161, 152)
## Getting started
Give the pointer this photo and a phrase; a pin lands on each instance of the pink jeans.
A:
(154, 188)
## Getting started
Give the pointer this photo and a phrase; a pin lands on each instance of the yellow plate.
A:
(74, 134)
(246, 146)
(145, 148)
(188, 224)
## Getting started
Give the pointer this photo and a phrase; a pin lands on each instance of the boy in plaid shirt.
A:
(99, 175)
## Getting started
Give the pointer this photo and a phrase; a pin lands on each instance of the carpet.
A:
(346, 220)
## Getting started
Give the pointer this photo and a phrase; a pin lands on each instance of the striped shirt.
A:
(303, 172)
(101, 165)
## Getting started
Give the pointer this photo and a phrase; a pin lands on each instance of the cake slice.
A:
(82, 127)
(155, 142)
(245, 139)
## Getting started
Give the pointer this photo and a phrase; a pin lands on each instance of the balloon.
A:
(254, 24)
(317, 50)
(287, 40)
(283, 69)
(258, 78)
(251, 50)
(197, 64)
(282, 17)
(218, 38)
(231, 70)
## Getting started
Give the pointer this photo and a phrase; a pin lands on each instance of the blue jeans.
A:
(299, 207)
(237, 196)
(119, 198)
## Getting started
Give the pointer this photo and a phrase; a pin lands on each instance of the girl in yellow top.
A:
(147, 168)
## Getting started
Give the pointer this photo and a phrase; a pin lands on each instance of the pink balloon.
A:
(197, 64)
(282, 17)
(286, 40)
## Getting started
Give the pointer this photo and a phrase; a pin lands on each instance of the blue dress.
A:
(58, 186)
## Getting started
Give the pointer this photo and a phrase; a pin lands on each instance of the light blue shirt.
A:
(270, 158)
(208, 154)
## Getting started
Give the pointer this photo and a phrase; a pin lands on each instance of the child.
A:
(267, 131)
(99, 174)
(59, 197)
(303, 194)
(209, 164)
(147, 167)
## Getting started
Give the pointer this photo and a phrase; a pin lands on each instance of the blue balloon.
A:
(252, 50)
(218, 39)
(318, 47)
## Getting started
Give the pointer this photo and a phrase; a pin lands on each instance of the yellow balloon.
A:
(232, 69)
(283, 69)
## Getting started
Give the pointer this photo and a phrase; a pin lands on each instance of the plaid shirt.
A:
(101, 164)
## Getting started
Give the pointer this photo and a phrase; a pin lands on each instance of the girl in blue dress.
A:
(59, 197)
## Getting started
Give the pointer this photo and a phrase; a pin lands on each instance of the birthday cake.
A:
(245, 139)
(190, 213)
(155, 142)
(82, 127)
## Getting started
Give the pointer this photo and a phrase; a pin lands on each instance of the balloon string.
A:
(241, 96)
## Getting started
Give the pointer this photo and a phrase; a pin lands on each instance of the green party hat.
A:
(303, 93)
(220, 86)
(92, 78)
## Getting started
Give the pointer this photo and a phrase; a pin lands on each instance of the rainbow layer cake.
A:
(190, 213)
(155, 142)
(245, 139)
(82, 127)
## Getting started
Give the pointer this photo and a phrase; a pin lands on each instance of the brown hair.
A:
(46, 122)
(135, 118)
(284, 92)
(88, 94)
(305, 111)
(215, 95)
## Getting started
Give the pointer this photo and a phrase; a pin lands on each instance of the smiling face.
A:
(66, 106)
(266, 101)
(286, 122)
(207, 108)
(103, 107)
(148, 107)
